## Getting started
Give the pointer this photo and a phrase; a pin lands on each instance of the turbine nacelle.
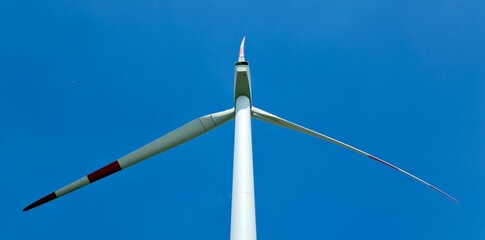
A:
(242, 76)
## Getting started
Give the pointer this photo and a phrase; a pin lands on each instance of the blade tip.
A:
(456, 200)
(241, 50)
(41, 201)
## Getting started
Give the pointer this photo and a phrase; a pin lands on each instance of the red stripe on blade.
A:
(104, 171)
(41, 201)
(384, 162)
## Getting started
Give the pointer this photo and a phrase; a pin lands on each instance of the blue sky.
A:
(83, 83)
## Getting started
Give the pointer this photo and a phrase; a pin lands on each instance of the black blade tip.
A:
(41, 201)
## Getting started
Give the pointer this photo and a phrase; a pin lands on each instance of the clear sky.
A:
(83, 83)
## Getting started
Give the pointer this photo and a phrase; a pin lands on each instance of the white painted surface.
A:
(270, 118)
(73, 186)
(241, 50)
(243, 213)
(178, 136)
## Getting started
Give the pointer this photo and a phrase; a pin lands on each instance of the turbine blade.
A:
(180, 135)
(270, 118)
(241, 50)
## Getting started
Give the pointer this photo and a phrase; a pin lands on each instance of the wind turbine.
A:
(243, 215)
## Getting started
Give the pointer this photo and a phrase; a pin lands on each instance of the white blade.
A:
(241, 50)
(180, 135)
(270, 118)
